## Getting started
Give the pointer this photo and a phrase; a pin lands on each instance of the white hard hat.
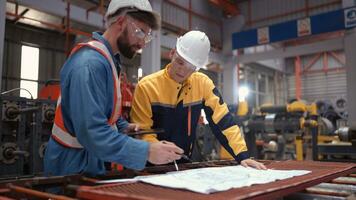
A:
(142, 5)
(194, 47)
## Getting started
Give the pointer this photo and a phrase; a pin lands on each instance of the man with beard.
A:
(88, 130)
(173, 98)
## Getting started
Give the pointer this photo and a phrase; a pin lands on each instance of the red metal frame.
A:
(337, 57)
(307, 69)
(326, 68)
(229, 8)
(320, 172)
(312, 62)
(67, 29)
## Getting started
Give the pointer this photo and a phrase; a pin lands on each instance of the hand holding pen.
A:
(163, 152)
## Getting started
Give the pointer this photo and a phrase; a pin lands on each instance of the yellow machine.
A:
(292, 118)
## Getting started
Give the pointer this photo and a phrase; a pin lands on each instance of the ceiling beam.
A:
(286, 52)
(20, 15)
(58, 8)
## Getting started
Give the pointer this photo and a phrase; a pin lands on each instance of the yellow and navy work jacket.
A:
(160, 102)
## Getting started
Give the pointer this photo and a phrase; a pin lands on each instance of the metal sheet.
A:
(320, 86)
(321, 172)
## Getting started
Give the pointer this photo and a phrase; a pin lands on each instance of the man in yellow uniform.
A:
(172, 99)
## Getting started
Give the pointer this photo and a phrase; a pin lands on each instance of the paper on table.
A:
(216, 179)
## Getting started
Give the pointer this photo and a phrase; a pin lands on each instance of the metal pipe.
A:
(23, 110)
(35, 193)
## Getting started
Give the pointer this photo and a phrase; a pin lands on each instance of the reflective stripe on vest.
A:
(59, 132)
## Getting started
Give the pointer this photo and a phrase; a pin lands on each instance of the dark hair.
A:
(153, 21)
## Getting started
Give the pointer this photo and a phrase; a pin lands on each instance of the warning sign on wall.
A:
(263, 35)
(350, 17)
(304, 27)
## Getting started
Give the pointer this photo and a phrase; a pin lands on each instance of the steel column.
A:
(350, 49)
(151, 54)
(2, 34)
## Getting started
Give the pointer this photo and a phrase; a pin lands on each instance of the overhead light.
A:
(243, 93)
(139, 73)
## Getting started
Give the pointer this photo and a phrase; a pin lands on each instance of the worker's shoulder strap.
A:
(102, 49)
(99, 47)
(59, 132)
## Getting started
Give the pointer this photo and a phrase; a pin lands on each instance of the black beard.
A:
(124, 47)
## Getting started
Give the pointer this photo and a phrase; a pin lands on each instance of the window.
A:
(29, 71)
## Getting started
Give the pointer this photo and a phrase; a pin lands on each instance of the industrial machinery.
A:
(334, 114)
(51, 90)
(25, 128)
(341, 148)
(206, 146)
(44, 118)
(26, 125)
(281, 122)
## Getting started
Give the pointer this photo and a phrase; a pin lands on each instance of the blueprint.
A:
(216, 179)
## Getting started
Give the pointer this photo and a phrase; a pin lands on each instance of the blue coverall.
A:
(87, 101)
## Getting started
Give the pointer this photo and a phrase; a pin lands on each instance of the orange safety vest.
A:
(59, 131)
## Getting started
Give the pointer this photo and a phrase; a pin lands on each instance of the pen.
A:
(186, 157)
(175, 164)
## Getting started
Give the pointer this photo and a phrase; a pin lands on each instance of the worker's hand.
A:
(132, 128)
(163, 152)
(252, 163)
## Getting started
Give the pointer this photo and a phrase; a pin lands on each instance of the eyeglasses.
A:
(181, 62)
(140, 34)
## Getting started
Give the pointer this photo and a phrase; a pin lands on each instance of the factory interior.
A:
(178, 99)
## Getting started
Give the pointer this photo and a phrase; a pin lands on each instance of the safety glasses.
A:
(140, 34)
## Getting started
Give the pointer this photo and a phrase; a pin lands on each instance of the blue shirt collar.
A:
(99, 36)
